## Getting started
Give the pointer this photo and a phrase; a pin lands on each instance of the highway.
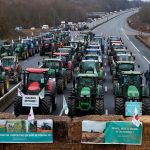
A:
(118, 27)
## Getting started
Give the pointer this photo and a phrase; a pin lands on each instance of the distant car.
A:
(45, 27)
(18, 28)
(32, 28)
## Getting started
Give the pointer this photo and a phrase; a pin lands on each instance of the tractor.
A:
(12, 68)
(92, 66)
(4, 82)
(67, 63)
(86, 96)
(6, 50)
(130, 88)
(21, 51)
(36, 82)
(56, 71)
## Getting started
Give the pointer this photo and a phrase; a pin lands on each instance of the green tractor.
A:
(119, 66)
(21, 51)
(4, 82)
(92, 66)
(37, 90)
(87, 95)
(130, 88)
(56, 71)
(12, 68)
(6, 50)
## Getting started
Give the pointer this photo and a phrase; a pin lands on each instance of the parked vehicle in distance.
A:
(45, 27)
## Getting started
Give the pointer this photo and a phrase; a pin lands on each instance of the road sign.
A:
(30, 100)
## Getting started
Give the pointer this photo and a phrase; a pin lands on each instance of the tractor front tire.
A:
(71, 105)
(145, 106)
(119, 106)
(60, 86)
(99, 106)
(18, 109)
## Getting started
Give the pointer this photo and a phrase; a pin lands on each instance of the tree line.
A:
(28, 13)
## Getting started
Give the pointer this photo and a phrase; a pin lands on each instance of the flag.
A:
(20, 93)
(42, 93)
(31, 115)
(65, 106)
(135, 119)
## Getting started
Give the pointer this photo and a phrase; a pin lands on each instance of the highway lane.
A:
(116, 26)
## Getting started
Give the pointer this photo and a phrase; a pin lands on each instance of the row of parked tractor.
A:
(80, 62)
(22, 49)
(128, 81)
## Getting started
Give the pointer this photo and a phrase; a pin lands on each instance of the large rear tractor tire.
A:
(99, 106)
(2, 89)
(119, 106)
(60, 86)
(71, 106)
(145, 106)
(54, 102)
(7, 84)
(18, 109)
(46, 106)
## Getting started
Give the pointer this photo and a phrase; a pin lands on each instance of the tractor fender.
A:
(100, 90)
(51, 85)
(70, 65)
(101, 74)
(145, 91)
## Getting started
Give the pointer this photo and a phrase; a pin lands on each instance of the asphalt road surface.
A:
(118, 27)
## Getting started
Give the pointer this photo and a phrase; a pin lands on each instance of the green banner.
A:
(130, 107)
(123, 133)
(119, 132)
(24, 131)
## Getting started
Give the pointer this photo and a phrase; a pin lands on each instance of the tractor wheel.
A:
(119, 106)
(18, 109)
(6, 85)
(71, 105)
(46, 105)
(54, 101)
(145, 106)
(60, 86)
(69, 76)
(16, 78)
(99, 106)
(2, 89)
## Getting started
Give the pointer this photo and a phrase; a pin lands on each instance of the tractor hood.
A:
(133, 92)
(85, 92)
(34, 86)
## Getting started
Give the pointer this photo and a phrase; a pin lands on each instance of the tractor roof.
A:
(52, 59)
(88, 55)
(8, 57)
(60, 54)
(87, 75)
(128, 54)
(37, 70)
(131, 73)
(90, 61)
(121, 50)
(125, 62)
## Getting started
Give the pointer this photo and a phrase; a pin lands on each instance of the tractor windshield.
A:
(86, 81)
(131, 79)
(91, 58)
(124, 58)
(117, 46)
(36, 77)
(8, 62)
(52, 64)
(89, 65)
(126, 67)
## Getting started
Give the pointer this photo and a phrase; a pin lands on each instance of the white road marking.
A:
(105, 64)
(105, 88)
(61, 112)
(13, 112)
(134, 45)
(105, 74)
(25, 61)
(106, 111)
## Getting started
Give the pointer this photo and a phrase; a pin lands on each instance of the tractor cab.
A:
(35, 80)
(131, 82)
(92, 57)
(54, 65)
(6, 50)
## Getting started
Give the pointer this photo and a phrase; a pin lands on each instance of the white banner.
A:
(30, 100)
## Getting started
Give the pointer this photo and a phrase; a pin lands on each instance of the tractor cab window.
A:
(86, 81)
(92, 58)
(52, 64)
(131, 79)
(89, 66)
(7, 62)
(36, 77)
(117, 46)
(126, 67)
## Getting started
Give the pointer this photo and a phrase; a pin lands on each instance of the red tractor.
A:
(36, 83)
